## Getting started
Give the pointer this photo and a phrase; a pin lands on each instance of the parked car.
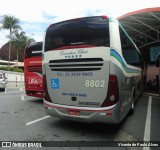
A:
(2, 82)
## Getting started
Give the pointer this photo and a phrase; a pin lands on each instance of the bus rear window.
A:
(33, 50)
(88, 31)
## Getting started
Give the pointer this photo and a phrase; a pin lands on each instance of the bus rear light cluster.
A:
(38, 92)
(50, 26)
(45, 90)
(112, 98)
(113, 92)
(109, 114)
(104, 17)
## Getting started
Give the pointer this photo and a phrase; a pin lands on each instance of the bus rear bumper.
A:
(84, 114)
(34, 93)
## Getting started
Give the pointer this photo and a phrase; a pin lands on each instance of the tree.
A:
(30, 40)
(10, 23)
(20, 40)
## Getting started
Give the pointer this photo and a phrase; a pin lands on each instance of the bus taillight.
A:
(104, 17)
(113, 92)
(45, 90)
(50, 26)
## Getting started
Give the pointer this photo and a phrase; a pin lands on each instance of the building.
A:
(4, 56)
(144, 28)
(4, 53)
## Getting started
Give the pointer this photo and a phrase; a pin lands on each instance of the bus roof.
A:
(34, 43)
(74, 19)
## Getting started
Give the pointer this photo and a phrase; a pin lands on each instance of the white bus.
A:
(92, 70)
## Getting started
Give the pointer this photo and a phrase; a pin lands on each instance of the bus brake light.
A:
(113, 92)
(104, 17)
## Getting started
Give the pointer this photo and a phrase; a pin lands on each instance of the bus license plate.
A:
(73, 112)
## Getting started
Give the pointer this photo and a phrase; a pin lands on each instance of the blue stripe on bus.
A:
(116, 55)
(113, 20)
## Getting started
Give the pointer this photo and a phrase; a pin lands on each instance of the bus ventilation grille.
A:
(79, 64)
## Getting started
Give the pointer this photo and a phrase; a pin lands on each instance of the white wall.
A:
(13, 76)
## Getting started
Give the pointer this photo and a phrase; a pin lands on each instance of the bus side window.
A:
(129, 51)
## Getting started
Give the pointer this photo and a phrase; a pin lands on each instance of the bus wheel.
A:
(131, 112)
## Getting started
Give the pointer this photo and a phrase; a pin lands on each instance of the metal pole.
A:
(9, 55)
(16, 81)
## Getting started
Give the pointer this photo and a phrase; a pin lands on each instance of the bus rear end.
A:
(78, 84)
(33, 70)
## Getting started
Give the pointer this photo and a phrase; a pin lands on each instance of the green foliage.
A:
(11, 69)
(17, 70)
(3, 68)
(10, 23)
(20, 40)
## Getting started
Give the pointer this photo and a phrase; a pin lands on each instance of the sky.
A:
(36, 15)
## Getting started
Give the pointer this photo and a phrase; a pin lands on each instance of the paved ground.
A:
(23, 118)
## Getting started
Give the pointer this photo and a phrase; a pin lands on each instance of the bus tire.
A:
(131, 112)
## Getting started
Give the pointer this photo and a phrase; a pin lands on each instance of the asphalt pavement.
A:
(23, 119)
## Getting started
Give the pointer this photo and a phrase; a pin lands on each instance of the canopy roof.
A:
(143, 26)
